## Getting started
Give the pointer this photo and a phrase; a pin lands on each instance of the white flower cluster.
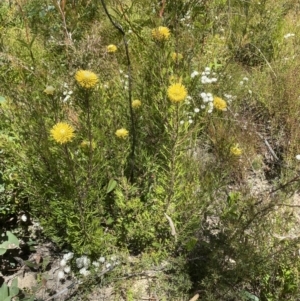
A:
(288, 35)
(207, 100)
(124, 80)
(83, 263)
(187, 20)
(229, 98)
(67, 93)
(244, 80)
(205, 76)
(190, 115)
(64, 265)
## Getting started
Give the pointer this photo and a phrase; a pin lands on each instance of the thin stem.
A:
(72, 171)
(90, 137)
(133, 130)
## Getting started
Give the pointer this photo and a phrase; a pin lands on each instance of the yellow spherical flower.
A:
(49, 90)
(177, 92)
(122, 133)
(220, 104)
(236, 150)
(62, 132)
(176, 56)
(136, 103)
(86, 79)
(111, 48)
(161, 33)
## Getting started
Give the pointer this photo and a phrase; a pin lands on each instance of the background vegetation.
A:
(207, 184)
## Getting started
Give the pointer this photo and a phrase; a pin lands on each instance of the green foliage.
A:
(179, 182)
(7, 293)
(12, 242)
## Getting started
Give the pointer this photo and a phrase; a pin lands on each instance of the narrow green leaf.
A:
(31, 264)
(111, 185)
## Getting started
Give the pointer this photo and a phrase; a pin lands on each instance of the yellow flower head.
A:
(220, 104)
(49, 90)
(236, 150)
(86, 79)
(111, 48)
(62, 132)
(176, 56)
(122, 133)
(177, 92)
(161, 33)
(136, 103)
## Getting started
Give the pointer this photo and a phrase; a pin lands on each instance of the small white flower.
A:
(70, 92)
(84, 272)
(194, 74)
(203, 95)
(66, 98)
(67, 269)
(68, 256)
(24, 218)
(241, 82)
(129, 31)
(108, 265)
(181, 122)
(79, 262)
(196, 110)
(209, 111)
(207, 69)
(86, 261)
(298, 157)
(202, 107)
(245, 78)
(96, 264)
(61, 275)
(190, 121)
(250, 91)
(63, 263)
(204, 79)
(101, 259)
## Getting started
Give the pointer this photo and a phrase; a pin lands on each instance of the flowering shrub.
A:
(153, 152)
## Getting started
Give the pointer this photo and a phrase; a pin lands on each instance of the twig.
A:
(196, 297)
(173, 230)
(268, 146)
